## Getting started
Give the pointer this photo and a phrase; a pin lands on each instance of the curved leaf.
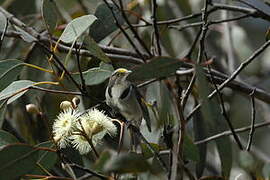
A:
(7, 138)
(45, 159)
(95, 76)
(49, 14)
(158, 67)
(103, 159)
(191, 151)
(105, 23)
(15, 90)
(3, 107)
(199, 134)
(3, 21)
(95, 50)
(76, 28)
(215, 121)
(6, 67)
(127, 163)
(17, 160)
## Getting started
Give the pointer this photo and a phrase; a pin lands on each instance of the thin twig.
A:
(46, 177)
(79, 66)
(89, 171)
(123, 31)
(57, 60)
(156, 31)
(255, 13)
(193, 79)
(136, 35)
(253, 114)
(234, 74)
(254, 7)
(84, 8)
(54, 91)
(3, 34)
(193, 45)
(227, 133)
(140, 136)
(224, 113)
(182, 127)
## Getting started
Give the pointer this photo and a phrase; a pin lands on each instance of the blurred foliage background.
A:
(179, 50)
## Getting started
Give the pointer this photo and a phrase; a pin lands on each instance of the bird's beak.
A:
(127, 73)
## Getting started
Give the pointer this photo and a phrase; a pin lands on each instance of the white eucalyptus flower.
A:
(63, 126)
(95, 124)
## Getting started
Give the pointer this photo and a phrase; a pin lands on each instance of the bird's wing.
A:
(143, 107)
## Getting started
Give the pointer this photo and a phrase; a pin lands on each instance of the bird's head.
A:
(120, 75)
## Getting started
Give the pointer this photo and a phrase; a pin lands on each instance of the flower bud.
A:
(32, 109)
(65, 105)
(75, 102)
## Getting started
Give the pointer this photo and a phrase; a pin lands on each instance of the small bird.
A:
(123, 97)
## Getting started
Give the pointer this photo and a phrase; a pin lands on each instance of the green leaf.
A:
(191, 150)
(46, 159)
(104, 157)
(95, 76)
(25, 35)
(267, 34)
(105, 23)
(225, 153)
(9, 70)
(158, 67)
(266, 171)
(127, 163)
(76, 28)
(215, 121)
(17, 160)
(248, 161)
(49, 14)
(95, 50)
(199, 134)
(147, 153)
(212, 178)
(166, 111)
(15, 90)
(3, 107)
(6, 138)
(3, 21)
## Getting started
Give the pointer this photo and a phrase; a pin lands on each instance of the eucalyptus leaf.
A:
(191, 151)
(76, 28)
(95, 50)
(17, 160)
(3, 21)
(248, 161)
(147, 152)
(104, 157)
(6, 138)
(9, 70)
(25, 35)
(3, 107)
(15, 90)
(158, 67)
(215, 121)
(267, 34)
(105, 23)
(266, 171)
(49, 14)
(95, 76)
(199, 129)
(127, 163)
(46, 159)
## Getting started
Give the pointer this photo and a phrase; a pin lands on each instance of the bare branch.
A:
(228, 133)
(253, 114)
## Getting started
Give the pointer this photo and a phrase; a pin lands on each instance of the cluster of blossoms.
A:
(72, 128)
